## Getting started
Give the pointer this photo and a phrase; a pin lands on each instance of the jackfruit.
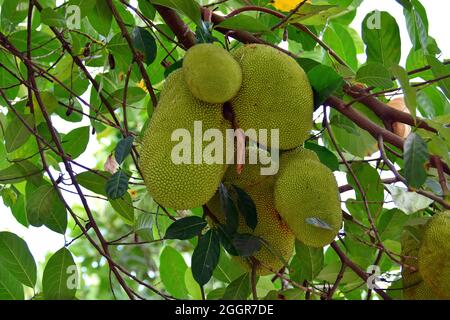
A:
(414, 288)
(173, 184)
(434, 254)
(275, 94)
(270, 227)
(211, 73)
(307, 198)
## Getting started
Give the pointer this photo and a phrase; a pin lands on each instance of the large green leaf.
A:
(375, 75)
(16, 133)
(307, 262)
(17, 258)
(383, 40)
(239, 289)
(205, 257)
(172, 269)
(415, 156)
(76, 141)
(185, 228)
(243, 22)
(101, 17)
(117, 185)
(60, 278)
(145, 43)
(21, 171)
(44, 207)
(124, 207)
(189, 7)
(10, 288)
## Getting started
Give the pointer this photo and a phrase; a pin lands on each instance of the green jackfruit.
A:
(414, 288)
(306, 195)
(180, 186)
(275, 94)
(434, 254)
(211, 73)
(270, 227)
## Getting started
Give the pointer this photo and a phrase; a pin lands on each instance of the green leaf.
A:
(17, 259)
(205, 257)
(307, 262)
(192, 286)
(246, 244)
(76, 141)
(50, 103)
(93, 182)
(408, 202)
(243, 22)
(339, 38)
(143, 226)
(10, 288)
(189, 7)
(440, 70)
(227, 269)
(16, 133)
(327, 157)
(101, 17)
(391, 222)
(172, 269)
(226, 239)
(185, 228)
(383, 41)
(117, 185)
(21, 171)
(375, 75)
(145, 43)
(124, 207)
(415, 157)
(417, 24)
(409, 92)
(13, 12)
(147, 9)
(247, 207)
(325, 81)
(52, 18)
(44, 207)
(123, 149)
(60, 278)
(239, 289)
(227, 206)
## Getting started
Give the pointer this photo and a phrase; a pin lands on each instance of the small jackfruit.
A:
(270, 227)
(275, 94)
(414, 288)
(434, 254)
(180, 184)
(211, 73)
(307, 196)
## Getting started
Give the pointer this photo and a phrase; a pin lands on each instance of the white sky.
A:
(42, 241)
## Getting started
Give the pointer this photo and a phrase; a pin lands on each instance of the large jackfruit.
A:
(434, 254)
(414, 288)
(211, 73)
(270, 227)
(180, 186)
(306, 194)
(275, 94)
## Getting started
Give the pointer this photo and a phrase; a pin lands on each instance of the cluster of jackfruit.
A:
(262, 88)
(426, 262)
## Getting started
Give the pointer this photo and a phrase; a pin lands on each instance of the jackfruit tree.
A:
(209, 150)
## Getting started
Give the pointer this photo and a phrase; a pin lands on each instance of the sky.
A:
(42, 241)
